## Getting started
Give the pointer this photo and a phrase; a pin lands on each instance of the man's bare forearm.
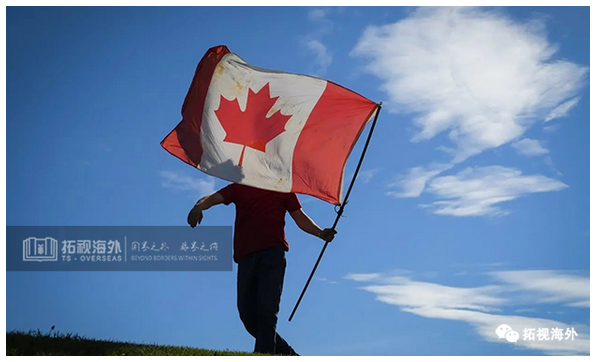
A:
(312, 229)
(195, 215)
(204, 203)
(308, 225)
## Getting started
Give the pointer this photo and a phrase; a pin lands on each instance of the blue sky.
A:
(472, 209)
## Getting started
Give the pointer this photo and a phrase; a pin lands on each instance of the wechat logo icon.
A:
(505, 331)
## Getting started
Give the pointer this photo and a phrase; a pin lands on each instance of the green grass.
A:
(35, 343)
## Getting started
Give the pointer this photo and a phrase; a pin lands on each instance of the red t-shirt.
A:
(260, 217)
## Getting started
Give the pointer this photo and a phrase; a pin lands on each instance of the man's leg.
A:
(247, 293)
(282, 347)
(271, 273)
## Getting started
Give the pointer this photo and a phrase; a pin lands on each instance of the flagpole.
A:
(340, 212)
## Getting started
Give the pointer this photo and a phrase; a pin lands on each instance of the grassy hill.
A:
(57, 344)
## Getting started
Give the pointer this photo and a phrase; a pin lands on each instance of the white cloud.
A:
(562, 109)
(414, 182)
(476, 74)
(367, 175)
(362, 277)
(321, 26)
(325, 280)
(317, 14)
(550, 163)
(323, 57)
(478, 306)
(550, 128)
(196, 187)
(412, 294)
(322, 16)
(529, 147)
(485, 325)
(551, 286)
(478, 191)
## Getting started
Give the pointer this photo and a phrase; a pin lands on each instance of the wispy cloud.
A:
(325, 280)
(478, 191)
(550, 163)
(549, 286)
(409, 293)
(317, 14)
(323, 56)
(413, 183)
(475, 74)
(550, 128)
(363, 277)
(321, 18)
(562, 109)
(196, 187)
(480, 306)
(367, 175)
(320, 27)
(529, 147)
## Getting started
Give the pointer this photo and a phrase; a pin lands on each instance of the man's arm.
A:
(304, 222)
(195, 215)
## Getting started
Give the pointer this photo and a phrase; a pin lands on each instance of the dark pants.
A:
(260, 283)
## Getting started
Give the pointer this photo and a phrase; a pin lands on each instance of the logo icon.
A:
(512, 336)
(505, 331)
(40, 249)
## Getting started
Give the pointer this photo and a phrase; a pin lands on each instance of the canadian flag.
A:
(268, 129)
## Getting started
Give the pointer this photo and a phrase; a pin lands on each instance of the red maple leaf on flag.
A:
(251, 128)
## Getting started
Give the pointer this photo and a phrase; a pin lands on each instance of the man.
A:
(259, 249)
